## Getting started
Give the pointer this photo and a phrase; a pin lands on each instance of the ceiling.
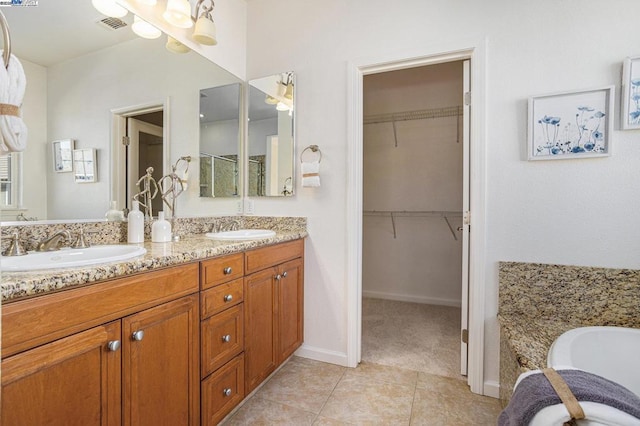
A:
(57, 30)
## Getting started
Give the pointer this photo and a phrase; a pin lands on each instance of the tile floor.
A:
(307, 392)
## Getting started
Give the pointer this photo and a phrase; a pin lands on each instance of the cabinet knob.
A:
(113, 345)
(137, 335)
(284, 274)
(227, 392)
(227, 270)
(228, 297)
(278, 277)
(226, 338)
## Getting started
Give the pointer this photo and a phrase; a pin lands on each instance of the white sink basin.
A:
(69, 258)
(241, 235)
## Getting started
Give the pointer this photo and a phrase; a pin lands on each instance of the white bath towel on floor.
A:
(310, 174)
(13, 130)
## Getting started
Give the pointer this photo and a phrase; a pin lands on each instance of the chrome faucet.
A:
(53, 242)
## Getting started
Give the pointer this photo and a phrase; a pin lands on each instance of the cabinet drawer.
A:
(262, 258)
(222, 338)
(222, 391)
(221, 297)
(221, 269)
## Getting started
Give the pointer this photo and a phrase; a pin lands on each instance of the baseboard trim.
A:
(324, 355)
(413, 299)
(491, 388)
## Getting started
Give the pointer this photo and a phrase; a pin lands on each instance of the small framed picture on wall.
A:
(631, 93)
(62, 155)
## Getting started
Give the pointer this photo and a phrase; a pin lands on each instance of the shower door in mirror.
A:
(220, 165)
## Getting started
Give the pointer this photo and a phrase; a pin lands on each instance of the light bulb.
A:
(175, 46)
(144, 29)
(109, 8)
(178, 13)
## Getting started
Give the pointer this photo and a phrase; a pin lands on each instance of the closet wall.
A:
(413, 172)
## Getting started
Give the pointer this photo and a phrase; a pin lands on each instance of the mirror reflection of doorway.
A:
(145, 150)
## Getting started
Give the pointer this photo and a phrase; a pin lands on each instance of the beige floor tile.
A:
(260, 412)
(444, 385)
(302, 383)
(385, 373)
(362, 400)
(435, 408)
(325, 421)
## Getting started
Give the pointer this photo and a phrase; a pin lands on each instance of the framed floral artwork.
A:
(631, 93)
(571, 124)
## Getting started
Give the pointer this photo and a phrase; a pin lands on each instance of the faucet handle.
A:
(15, 248)
(81, 241)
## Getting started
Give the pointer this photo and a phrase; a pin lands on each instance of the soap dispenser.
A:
(161, 230)
(113, 214)
(135, 228)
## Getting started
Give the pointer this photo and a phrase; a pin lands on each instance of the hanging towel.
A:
(13, 131)
(535, 402)
(310, 173)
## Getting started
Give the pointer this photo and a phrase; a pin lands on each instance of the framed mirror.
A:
(220, 163)
(271, 136)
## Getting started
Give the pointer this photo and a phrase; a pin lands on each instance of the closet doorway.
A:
(415, 230)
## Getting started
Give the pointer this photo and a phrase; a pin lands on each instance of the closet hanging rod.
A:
(452, 111)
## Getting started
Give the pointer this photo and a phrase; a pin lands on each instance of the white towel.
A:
(13, 131)
(310, 174)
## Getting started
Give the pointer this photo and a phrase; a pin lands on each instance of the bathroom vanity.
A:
(181, 343)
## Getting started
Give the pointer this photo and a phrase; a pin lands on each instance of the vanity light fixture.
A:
(144, 29)
(109, 8)
(148, 2)
(205, 31)
(178, 13)
(288, 91)
(281, 106)
(270, 100)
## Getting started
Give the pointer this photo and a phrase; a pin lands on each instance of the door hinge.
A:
(466, 219)
(126, 140)
(465, 336)
(467, 98)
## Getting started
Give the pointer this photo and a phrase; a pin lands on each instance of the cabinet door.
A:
(72, 381)
(260, 327)
(290, 308)
(160, 365)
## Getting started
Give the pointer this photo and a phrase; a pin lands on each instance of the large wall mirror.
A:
(220, 165)
(271, 136)
(79, 71)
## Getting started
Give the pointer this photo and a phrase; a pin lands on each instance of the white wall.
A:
(83, 91)
(219, 137)
(422, 261)
(570, 212)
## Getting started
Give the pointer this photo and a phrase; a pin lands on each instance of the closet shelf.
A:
(444, 214)
(420, 114)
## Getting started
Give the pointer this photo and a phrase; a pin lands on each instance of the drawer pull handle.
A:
(113, 345)
(137, 335)
(278, 277)
(284, 274)
(226, 338)
(227, 392)
(228, 297)
(227, 270)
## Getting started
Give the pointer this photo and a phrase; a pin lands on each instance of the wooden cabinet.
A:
(63, 369)
(161, 379)
(273, 308)
(72, 381)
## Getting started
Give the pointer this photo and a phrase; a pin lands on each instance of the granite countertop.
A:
(19, 285)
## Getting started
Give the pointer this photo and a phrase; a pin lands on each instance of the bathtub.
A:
(610, 352)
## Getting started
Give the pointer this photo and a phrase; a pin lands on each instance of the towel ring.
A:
(313, 148)
(6, 54)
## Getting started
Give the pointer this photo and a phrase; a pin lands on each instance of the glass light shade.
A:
(175, 46)
(205, 32)
(282, 106)
(270, 100)
(144, 29)
(178, 13)
(109, 8)
(148, 2)
(288, 93)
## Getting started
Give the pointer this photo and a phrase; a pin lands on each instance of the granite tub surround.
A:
(192, 247)
(539, 302)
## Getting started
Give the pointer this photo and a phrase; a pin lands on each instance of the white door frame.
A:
(442, 52)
